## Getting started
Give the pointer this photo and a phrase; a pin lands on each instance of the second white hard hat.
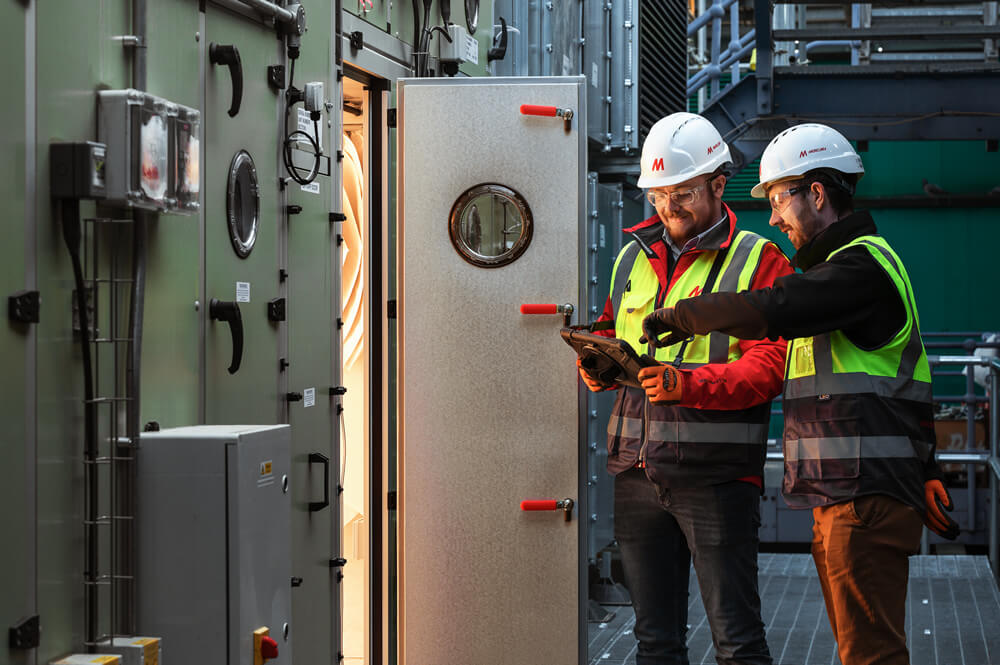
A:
(678, 148)
(802, 148)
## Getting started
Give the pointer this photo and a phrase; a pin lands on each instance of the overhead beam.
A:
(883, 104)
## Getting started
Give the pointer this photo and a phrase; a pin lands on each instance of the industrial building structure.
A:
(271, 396)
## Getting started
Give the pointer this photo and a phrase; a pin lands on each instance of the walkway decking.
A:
(952, 616)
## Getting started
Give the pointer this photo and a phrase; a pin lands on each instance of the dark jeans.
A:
(660, 533)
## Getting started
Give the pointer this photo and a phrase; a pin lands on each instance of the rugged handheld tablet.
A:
(607, 359)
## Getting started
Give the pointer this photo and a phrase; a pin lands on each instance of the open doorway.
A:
(362, 317)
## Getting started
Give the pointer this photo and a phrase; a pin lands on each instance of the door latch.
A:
(566, 505)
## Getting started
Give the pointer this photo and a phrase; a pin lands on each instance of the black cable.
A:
(425, 38)
(417, 37)
(293, 96)
(438, 28)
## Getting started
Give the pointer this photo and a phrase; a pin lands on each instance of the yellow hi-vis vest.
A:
(635, 285)
(683, 446)
(858, 421)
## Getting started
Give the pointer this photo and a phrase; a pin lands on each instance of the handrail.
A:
(739, 47)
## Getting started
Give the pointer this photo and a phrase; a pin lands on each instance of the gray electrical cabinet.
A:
(213, 542)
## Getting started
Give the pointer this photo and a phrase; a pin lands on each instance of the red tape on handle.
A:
(539, 504)
(539, 308)
(533, 109)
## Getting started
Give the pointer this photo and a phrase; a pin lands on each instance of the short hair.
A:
(839, 188)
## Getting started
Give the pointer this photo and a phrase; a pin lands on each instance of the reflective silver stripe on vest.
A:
(622, 275)
(729, 281)
(631, 428)
(854, 447)
(825, 382)
(687, 432)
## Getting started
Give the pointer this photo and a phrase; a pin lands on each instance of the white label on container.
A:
(306, 125)
(309, 397)
(567, 67)
(593, 74)
(312, 187)
(601, 229)
(471, 51)
(242, 291)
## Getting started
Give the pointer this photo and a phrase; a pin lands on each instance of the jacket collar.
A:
(835, 236)
(649, 233)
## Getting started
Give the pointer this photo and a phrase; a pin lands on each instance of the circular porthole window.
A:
(242, 203)
(490, 225)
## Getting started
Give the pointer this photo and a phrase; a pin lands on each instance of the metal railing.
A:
(779, 39)
(739, 47)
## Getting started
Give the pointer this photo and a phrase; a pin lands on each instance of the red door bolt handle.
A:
(546, 308)
(547, 111)
(539, 504)
(565, 505)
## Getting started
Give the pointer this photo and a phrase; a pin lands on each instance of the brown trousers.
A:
(861, 550)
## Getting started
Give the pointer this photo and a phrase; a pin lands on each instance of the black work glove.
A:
(663, 322)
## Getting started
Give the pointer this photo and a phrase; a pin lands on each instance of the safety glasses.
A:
(780, 200)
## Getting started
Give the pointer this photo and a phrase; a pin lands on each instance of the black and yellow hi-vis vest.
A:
(684, 446)
(859, 421)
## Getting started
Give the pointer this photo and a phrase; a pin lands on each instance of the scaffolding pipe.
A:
(716, 12)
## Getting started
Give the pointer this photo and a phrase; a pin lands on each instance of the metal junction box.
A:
(213, 542)
(153, 152)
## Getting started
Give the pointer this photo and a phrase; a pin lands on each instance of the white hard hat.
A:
(802, 148)
(678, 148)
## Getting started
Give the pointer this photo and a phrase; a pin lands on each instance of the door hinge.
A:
(293, 397)
(390, 118)
(276, 309)
(338, 217)
(26, 633)
(296, 582)
(23, 306)
(338, 390)
(339, 562)
(390, 309)
(390, 500)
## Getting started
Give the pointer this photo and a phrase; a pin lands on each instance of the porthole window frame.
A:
(234, 212)
(455, 223)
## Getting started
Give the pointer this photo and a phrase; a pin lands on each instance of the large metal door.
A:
(488, 397)
(245, 143)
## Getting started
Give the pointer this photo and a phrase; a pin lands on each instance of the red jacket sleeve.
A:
(758, 375)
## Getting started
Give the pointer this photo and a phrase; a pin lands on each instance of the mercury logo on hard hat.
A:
(804, 153)
(712, 149)
(658, 164)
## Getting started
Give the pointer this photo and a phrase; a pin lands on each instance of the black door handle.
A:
(498, 52)
(228, 54)
(220, 310)
(320, 505)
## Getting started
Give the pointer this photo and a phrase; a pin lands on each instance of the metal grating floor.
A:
(952, 616)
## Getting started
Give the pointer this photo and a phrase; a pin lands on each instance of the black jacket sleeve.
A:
(850, 292)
